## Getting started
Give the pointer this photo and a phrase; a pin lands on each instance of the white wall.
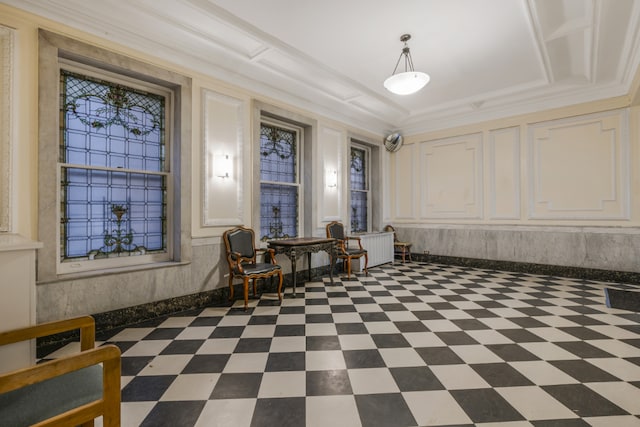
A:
(222, 122)
(555, 188)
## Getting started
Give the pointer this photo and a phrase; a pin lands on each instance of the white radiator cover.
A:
(379, 247)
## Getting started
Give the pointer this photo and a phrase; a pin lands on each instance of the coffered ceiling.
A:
(487, 58)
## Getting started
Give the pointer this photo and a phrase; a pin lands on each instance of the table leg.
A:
(309, 264)
(332, 261)
(292, 257)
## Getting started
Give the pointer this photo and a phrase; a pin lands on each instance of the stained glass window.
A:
(113, 169)
(279, 182)
(359, 190)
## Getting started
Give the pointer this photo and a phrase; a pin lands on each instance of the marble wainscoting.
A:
(607, 253)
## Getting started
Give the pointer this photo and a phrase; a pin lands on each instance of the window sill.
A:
(113, 271)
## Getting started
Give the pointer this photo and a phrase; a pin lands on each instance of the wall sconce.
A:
(223, 166)
(332, 178)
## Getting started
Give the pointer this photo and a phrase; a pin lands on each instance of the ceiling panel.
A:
(487, 59)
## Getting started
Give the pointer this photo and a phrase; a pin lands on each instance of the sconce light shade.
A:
(223, 166)
(332, 178)
(409, 81)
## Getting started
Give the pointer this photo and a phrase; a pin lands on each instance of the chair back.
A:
(335, 230)
(389, 228)
(240, 240)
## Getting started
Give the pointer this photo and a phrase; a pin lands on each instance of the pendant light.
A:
(409, 81)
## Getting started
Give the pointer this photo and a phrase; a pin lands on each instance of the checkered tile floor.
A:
(408, 345)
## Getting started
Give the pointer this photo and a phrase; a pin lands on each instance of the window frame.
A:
(70, 266)
(299, 135)
(367, 191)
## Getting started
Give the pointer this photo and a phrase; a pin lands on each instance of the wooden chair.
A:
(69, 391)
(403, 249)
(242, 255)
(345, 252)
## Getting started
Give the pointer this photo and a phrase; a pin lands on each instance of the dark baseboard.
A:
(627, 277)
(108, 322)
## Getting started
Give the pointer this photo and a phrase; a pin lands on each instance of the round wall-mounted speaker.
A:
(393, 142)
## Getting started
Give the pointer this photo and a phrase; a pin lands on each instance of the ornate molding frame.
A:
(6, 125)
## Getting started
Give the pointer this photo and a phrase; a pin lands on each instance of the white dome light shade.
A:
(406, 83)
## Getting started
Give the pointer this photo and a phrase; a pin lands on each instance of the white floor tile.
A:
(435, 408)
(225, 413)
(620, 368)
(475, 354)
(356, 342)
(542, 373)
(381, 328)
(401, 357)
(622, 394)
(282, 384)
(196, 333)
(324, 360)
(548, 350)
(246, 362)
(457, 377)
(147, 348)
(288, 344)
(334, 411)
(171, 364)
(372, 381)
(535, 404)
(191, 387)
(218, 346)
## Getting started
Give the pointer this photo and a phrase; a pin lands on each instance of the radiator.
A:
(379, 247)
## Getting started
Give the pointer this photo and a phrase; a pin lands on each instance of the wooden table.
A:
(294, 248)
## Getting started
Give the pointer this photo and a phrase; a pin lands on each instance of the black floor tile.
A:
(206, 363)
(456, 338)
(360, 359)
(289, 331)
(286, 411)
(411, 326)
(325, 383)
(501, 375)
(237, 386)
(485, 405)
(583, 401)
(384, 410)
(253, 345)
(439, 356)
(583, 349)
(227, 332)
(520, 335)
(416, 378)
(182, 347)
(206, 321)
(374, 317)
(319, 318)
(163, 334)
(316, 343)
(512, 352)
(390, 340)
(146, 388)
(131, 366)
(290, 361)
(180, 413)
(351, 329)
(583, 371)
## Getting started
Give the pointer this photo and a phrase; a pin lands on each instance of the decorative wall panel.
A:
(451, 178)
(579, 167)
(504, 173)
(6, 86)
(405, 179)
(333, 181)
(222, 153)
